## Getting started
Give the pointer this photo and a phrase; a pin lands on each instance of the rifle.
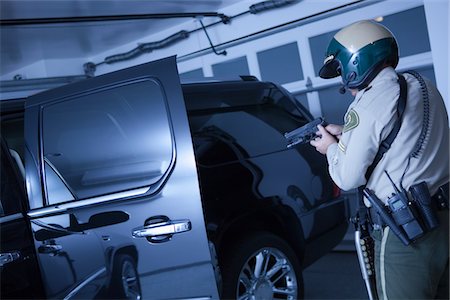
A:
(304, 134)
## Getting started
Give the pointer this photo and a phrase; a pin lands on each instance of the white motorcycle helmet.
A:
(358, 52)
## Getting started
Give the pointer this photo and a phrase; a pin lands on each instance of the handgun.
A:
(304, 134)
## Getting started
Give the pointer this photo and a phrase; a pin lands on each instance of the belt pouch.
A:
(427, 209)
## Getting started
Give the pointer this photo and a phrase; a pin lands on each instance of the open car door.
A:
(115, 205)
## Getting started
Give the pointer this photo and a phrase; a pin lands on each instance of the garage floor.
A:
(335, 276)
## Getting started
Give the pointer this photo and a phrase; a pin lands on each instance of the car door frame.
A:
(165, 70)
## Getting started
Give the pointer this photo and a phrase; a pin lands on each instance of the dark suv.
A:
(103, 197)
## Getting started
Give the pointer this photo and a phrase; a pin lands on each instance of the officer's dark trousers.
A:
(417, 271)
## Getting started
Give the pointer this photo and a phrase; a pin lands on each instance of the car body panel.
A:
(238, 130)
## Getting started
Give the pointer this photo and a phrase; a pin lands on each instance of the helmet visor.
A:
(331, 68)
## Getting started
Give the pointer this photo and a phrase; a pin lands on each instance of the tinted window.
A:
(281, 64)
(12, 131)
(107, 141)
(302, 98)
(10, 190)
(254, 119)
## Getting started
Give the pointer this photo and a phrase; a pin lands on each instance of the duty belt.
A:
(440, 200)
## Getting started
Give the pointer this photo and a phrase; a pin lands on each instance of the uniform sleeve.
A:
(349, 159)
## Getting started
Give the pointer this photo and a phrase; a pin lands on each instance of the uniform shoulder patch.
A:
(351, 120)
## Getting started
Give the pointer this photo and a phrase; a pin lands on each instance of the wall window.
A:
(334, 104)
(231, 68)
(106, 142)
(194, 75)
(281, 64)
(410, 29)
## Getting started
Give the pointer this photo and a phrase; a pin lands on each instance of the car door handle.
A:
(8, 257)
(50, 249)
(163, 230)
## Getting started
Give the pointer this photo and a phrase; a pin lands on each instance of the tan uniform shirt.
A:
(370, 118)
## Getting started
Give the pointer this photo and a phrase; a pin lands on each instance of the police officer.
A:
(365, 55)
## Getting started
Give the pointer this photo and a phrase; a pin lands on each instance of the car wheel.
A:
(125, 279)
(261, 266)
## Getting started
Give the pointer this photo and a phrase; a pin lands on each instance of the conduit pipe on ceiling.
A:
(90, 67)
(107, 18)
(268, 5)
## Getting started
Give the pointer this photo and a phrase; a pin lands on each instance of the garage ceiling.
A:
(22, 45)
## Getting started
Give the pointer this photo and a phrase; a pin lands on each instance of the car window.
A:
(11, 193)
(255, 119)
(13, 133)
(223, 99)
(106, 141)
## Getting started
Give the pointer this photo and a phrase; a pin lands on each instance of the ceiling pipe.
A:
(90, 67)
(90, 19)
(268, 5)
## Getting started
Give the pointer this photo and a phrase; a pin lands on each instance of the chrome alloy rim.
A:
(130, 281)
(267, 274)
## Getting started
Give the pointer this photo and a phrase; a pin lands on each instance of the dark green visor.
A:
(330, 69)
(332, 66)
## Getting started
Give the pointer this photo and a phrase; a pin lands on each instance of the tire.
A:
(278, 277)
(125, 279)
